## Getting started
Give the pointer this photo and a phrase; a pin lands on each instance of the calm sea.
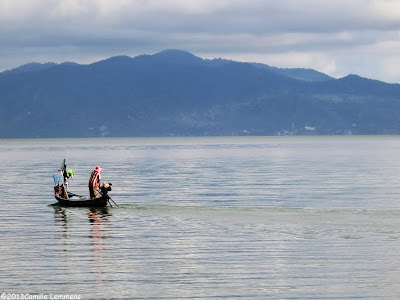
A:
(204, 218)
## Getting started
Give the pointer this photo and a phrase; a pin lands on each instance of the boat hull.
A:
(75, 200)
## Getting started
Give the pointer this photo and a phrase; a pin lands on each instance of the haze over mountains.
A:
(174, 93)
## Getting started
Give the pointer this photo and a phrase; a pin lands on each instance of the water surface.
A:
(205, 218)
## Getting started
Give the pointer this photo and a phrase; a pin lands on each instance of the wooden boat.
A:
(66, 198)
(76, 200)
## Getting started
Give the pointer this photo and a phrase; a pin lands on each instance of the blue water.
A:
(205, 218)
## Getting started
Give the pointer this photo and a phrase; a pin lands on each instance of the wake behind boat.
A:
(67, 198)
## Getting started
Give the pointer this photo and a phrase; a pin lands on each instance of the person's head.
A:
(98, 169)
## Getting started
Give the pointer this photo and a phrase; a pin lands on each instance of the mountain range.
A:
(175, 93)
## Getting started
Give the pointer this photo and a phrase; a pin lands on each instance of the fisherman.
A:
(67, 174)
(94, 182)
(70, 174)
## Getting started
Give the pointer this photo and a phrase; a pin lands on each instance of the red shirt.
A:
(94, 180)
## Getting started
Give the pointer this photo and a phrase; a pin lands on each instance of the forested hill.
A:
(174, 93)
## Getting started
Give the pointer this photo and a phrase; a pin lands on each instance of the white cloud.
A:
(390, 68)
(385, 10)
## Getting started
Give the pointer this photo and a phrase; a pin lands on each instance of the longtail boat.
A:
(67, 198)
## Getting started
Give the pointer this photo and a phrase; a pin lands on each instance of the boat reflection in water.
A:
(83, 240)
(96, 236)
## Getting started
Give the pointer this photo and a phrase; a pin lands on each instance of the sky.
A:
(336, 37)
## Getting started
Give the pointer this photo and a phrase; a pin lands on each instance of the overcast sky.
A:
(337, 37)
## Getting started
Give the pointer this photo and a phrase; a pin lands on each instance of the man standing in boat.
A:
(66, 174)
(94, 182)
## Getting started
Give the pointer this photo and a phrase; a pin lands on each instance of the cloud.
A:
(387, 11)
(331, 36)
